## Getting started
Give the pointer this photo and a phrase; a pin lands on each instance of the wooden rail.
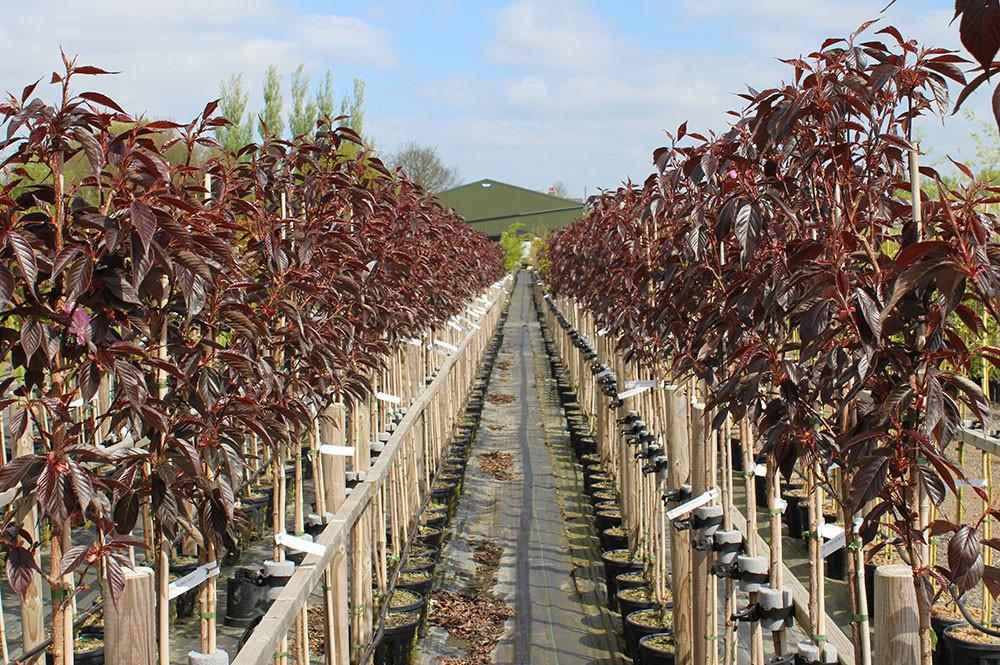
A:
(425, 426)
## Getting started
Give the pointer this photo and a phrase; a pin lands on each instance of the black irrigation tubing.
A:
(953, 589)
(384, 611)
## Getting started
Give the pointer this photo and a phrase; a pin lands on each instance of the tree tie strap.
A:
(859, 618)
(206, 615)
(855, 544)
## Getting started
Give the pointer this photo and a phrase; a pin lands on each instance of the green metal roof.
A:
(491, 206)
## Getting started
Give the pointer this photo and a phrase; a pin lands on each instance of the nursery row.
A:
(180, 324)
(802, 285)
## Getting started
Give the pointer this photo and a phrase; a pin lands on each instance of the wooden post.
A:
(679, 460)
(897, 624)
(129, 626)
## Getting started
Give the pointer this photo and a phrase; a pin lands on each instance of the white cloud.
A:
(529, 91)
(551, 34)
(347, 39)
(173, 53)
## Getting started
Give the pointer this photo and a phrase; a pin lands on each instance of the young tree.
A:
(558, 188)
(422, 165)
(271, 122)
(233, 105)
(302, 119)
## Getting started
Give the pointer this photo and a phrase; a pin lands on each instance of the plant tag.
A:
(299, 544)
(633, 392)
(691, 504)
(603, 331)
(336, 451)
(605, 373)
(192, 579)
(445, 345)
(77, 403)
(834, 544)
(640, 384)
(781, 505)
(760, 470)
(455, 325)
(484, 298)
(414, 341)
(478, 312)
(981, 484)
(386, 397)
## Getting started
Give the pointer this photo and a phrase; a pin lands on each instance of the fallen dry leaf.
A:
(497, 464)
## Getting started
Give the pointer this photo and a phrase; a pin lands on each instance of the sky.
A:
(529, 92)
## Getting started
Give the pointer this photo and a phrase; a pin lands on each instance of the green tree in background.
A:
(353, 105)
(233, 105)
(302, 119)
(324, 97)
(271, 122)
(511, 241)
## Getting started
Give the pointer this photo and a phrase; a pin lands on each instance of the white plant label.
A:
(981, 484)
(833, 545)
(336, 451)
(760, 470)
(455, 326)
(691, 504)
(192, 579)
(386, 397)
(299, 544)
(633, 392)
(640, 384)
(414, 341)
(445, 345)
(603, 331)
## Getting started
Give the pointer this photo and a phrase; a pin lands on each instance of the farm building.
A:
(491, 206)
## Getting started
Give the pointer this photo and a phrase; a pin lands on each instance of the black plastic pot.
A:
(624, 582)
(415, 606)
(736, 446)
(649, 655)
(612, 569)
(611, 541)
(963, 652)
(434, 520)
(939, 624)
(607, 520)
(396, 645)
(634, 632)
(625, 608)
(433, 538)
(795, 517)
(422, 587)
(93, 656)
(246, 597)
(836, 565)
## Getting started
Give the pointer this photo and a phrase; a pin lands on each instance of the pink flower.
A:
(732, 174)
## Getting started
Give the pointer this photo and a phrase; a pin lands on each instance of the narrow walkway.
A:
(550, 571)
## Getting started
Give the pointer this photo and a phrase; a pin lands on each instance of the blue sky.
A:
(526, 91)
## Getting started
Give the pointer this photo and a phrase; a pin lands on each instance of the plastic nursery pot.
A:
(736, 446)
(602, 495)
(940, 623)
(607, 519)
(434, 518)
(836, 565)
(629, 601)
(419, 551)
(417, 564)
(429, 535)
(645, 622)
(246, 597)
(605, 506)
(968, 646)
(657, 649)
(88, 648)
(634, 579)
(617, 562)
(398, 635)
(419, 581)
(404, 600)
(614, 539)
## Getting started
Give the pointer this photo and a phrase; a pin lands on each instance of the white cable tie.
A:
(691, 504)
(336, 451)
(190, 581)
(299, 544)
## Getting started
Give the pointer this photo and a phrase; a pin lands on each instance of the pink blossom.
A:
(79, 325)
